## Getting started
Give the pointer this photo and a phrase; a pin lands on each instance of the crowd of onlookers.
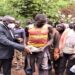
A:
(46, 45)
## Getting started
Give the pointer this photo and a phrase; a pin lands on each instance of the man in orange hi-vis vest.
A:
(39, 38)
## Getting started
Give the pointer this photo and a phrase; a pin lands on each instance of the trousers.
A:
(41, 59)
(64, 63)
(6, 65)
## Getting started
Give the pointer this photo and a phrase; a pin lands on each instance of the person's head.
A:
(1, 19)
(17, 24)
(40, 20)
(62, 21)
(49, 22)
(9, 21)
(74, 26)
(60, 28)
(56, 23)
(29, 21)
(71, 25)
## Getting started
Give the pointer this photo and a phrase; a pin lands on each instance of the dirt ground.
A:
(21, 72)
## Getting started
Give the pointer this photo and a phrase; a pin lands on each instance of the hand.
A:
(27, 50)
(20, 40)
(56, 56)
(56, 53)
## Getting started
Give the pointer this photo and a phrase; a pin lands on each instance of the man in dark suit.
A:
(7, 45)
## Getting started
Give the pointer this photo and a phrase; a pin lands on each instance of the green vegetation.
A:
(22, 9)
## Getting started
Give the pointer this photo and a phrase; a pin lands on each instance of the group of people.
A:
(40, 43)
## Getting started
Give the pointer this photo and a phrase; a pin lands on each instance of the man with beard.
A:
(40, 37)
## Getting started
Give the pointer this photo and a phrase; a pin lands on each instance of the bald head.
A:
(8, 19)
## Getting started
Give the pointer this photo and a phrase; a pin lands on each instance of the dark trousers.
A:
(56, 65)
(63, 62)
(30, 65)
(70, 64)
(35, 58)
(6, 66)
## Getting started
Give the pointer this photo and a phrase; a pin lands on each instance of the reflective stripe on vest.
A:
(38, 37)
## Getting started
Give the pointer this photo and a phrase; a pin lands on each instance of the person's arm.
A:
(6, 42)
(50, 36)
(27, 35)
(56, 45)
(24, 41)
(56, 41)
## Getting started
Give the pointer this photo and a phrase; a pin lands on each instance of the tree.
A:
(22, 9)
